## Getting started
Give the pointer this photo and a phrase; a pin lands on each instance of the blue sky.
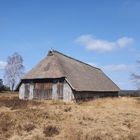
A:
(102, 33)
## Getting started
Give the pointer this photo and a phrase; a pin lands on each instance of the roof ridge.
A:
(76, 59)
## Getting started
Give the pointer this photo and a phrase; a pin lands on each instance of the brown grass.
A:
(101, 119)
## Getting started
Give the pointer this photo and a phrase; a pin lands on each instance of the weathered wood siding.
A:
(57, 90)
(42, 91)
(60, 90)
(68, 94)
(31, 91)
(22, 91)
(85, 95)
(54, 91)
(26, 91)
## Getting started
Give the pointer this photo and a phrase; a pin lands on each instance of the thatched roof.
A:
(81, 76)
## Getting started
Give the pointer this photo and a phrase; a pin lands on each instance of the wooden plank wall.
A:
(60, 90)
(27, 91)
(85, 95)
(68, 93)
(43, 90)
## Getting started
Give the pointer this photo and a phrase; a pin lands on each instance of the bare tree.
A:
(13, 70)
(136, 76)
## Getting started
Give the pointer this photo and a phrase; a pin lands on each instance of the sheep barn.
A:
(60, 77)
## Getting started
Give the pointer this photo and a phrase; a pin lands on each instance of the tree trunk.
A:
(12, 88)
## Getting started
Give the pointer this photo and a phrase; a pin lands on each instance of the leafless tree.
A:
(13, 70)
(136, 76)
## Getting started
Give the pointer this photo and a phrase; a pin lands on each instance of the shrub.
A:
(50, 131)
(29, 127)
(67, 109)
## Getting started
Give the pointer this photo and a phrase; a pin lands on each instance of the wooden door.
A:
(43, 91)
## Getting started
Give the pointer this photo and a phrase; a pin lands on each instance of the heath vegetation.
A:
(100, 119)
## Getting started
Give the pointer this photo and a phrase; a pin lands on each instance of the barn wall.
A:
(54, 91)
(26, 93)
(21, 91)
(67, 92)
(44, 90)
(31, 91)
(90, 95)
(58, 91)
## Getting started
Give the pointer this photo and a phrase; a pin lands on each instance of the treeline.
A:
(130, 93)
(3, 87)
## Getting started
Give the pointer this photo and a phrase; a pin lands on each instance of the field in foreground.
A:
(101, 119)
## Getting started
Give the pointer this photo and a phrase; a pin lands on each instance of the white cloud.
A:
(124, 42)
(99, 45)
(2, 64)
(119, 67)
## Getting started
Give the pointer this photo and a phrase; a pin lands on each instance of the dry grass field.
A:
(100, 119)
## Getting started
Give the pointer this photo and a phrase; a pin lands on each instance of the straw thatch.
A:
(79, 75)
